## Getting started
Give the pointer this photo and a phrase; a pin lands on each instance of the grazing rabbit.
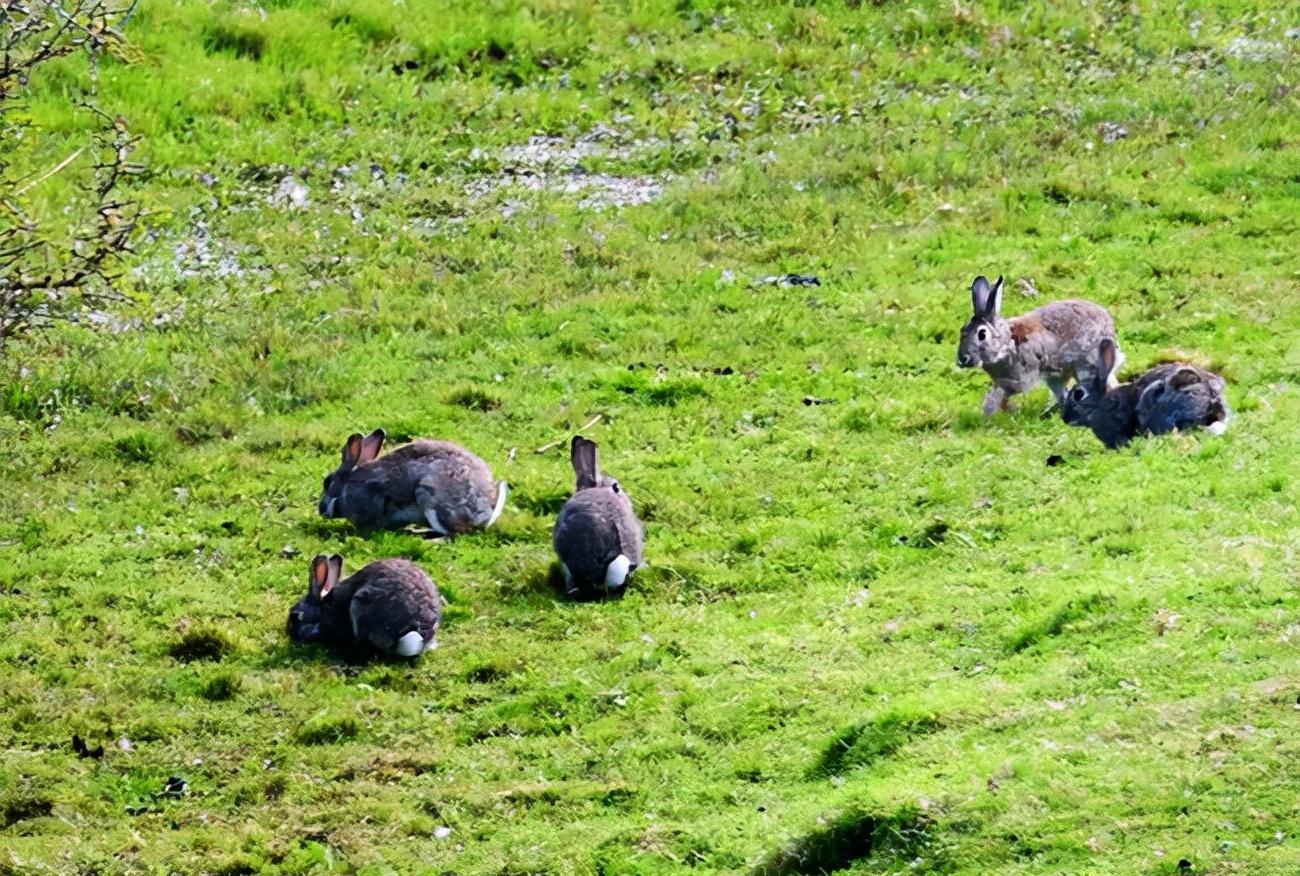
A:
(1186, 397)
(1051, 344)
(597, 537)
(391, 605)
(1168, 397)
(314, 620)
(435, 482)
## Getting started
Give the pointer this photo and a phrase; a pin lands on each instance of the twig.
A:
(49, 173)
(585, 426)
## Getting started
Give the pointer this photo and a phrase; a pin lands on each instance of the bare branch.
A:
(46, 273)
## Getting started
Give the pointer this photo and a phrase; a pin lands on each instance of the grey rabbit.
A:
(1050, 344)
(1165, 398)
(1186, 397)
(434, 482)
(597, 537)
(390, 605)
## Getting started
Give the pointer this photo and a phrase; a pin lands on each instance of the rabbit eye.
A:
(1078, 394)
(982, 334)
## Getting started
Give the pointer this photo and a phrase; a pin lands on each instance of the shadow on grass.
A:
(863, 744)
(896, 837)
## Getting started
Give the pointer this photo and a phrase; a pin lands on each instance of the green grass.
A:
(876, 633)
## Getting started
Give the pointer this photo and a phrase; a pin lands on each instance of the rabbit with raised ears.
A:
(598, 537)
(1165, 398)
(437, 483)
(1050, 345)
(313, 619)
(390, 605)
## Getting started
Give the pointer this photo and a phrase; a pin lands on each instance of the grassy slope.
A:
(879, 632)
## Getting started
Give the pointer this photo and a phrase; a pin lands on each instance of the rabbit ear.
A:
(986, 299)
(1184, 377)
(979, 295)
(333, 570)
(1105, 360)
(583, 456)
(371, 445)
(1151, 394)
(320, 573)
(352, 451)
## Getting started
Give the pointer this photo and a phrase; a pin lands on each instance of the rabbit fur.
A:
(597, 536)
(437, 483)
(389, 605)
(1050, 344)
(1167, 397)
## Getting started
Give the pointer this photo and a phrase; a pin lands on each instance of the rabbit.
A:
(435, 482)
(1167, 397)
(312, 619)
(390, 605)
(598, 537)
(1185, 397)
(1051, 344)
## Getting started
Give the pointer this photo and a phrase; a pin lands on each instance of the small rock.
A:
(442, 832)
(289, 552)
(1112, 132)
(1163, 621)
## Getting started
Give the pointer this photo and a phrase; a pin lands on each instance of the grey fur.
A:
(595, 526)
(434, 482)
(1167, 397)
(1050, 344)
(376, 606)
(1185, 397)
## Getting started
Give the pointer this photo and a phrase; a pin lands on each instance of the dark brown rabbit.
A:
(1165, 398)
(598, 537)
(437, 483)
(390, 605)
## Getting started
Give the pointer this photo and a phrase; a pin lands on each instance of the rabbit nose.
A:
(963, 360)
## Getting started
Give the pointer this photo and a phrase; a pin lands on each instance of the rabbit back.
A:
(595, 527)
(457, 484)
(1061, 338)
(1183, 397)
(395, 489)
(395, 608)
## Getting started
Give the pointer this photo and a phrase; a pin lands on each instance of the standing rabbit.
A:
(1050, 344)
(1168, 397)
(434, 482)
(598, 537)
(390, 605)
